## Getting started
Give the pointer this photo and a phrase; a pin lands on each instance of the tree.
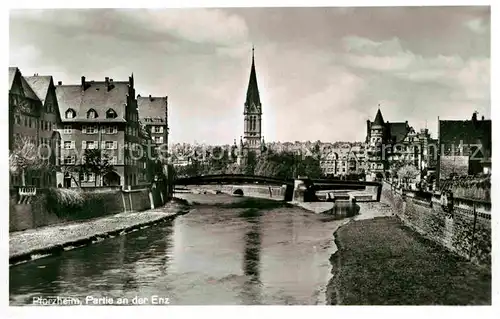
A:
(309, 167)
(25, 156)
(251, 163)
(408, 172)
(193, 168)
(97, 162)
(218, 161)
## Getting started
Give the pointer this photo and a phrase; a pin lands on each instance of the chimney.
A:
(150, 98)
(474, 116)
(83, 83)
(59, 83)
(482, 118)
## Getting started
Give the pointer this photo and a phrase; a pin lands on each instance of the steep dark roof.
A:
(28, 91)
(379, 120)
(152, 107)
(398, 131)
(39, 85)
(469, 132)
(96, 96)
(12, 75)
(253, 90)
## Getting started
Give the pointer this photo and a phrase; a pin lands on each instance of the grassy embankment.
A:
(381, 262)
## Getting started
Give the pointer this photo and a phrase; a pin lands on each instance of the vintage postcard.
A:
(250, 156)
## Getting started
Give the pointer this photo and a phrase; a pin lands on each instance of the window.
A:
(70, 114)
(158, 139)
(90, 145)
(89, 129)
(29, 122)
(113, 160)
(108, 145)
(68, 145)
(89, 177)
(91, 114)
(110, 114)
(70, 159)
(112, 129)
(158, 129)
(67, 129)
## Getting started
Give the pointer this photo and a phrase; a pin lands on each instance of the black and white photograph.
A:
(308, 156)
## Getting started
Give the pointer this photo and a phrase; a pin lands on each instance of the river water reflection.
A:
(227, 250)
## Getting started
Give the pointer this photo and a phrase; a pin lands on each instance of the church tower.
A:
(252, 135)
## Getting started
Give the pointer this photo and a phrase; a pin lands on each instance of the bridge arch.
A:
(238, 192)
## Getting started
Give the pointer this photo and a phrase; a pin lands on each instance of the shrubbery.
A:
(75, 204)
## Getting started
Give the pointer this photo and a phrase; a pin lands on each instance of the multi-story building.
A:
(153, 113)
(464, 147)
(33, 118)
(99, 115)
(390, 144)
(343, 160)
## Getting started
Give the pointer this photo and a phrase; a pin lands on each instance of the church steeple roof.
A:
(379, 120)
(253, 90)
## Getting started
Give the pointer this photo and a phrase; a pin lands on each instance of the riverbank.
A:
(34, 243)
(379, 261)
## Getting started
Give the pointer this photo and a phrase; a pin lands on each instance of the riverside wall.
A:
(259, 191)
(464, 227)
(43, 209)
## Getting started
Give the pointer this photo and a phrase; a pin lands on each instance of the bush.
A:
(75, 204)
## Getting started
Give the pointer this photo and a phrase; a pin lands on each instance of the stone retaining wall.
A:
(39, 211)
(466, 229)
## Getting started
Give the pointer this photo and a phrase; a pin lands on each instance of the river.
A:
(225, 251)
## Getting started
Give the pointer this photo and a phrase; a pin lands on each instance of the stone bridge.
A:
(300, 189)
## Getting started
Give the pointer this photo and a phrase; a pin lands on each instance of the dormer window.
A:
(70, 114)
(111, 114)
(91, 114)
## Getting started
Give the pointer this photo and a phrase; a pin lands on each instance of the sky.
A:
(322, 72)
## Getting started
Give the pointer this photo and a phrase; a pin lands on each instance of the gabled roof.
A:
(12, 75)
(398, 131)
(253, 96)
(96, 96)
(28, 91)
(39, 85)
(152, 107)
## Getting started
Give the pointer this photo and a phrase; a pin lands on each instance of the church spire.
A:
(253, 90)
